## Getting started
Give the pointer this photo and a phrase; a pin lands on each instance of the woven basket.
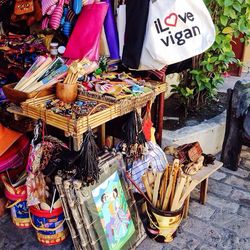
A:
(35, 108)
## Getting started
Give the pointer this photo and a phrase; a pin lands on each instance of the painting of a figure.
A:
(113, 211)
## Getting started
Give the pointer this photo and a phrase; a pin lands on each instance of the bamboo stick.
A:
(164, 183)
(151, 178)
(168, 193)
(156, 188)
(77, 218)
(187, 184)
(177, 194)
(67, 213)
(187, 192)
(147, 187)
(176, 166)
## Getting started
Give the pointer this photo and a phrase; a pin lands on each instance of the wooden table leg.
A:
(159, 115)
(203, 191)
(186, 207)
(77, 142)
(102, 134)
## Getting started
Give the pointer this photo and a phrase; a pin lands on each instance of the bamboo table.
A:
(202, 178)
(76, 128)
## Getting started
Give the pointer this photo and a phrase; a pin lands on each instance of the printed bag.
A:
(85, 42)
(178, 30)
(23, 7)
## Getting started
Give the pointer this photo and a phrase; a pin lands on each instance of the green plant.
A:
(231, 19)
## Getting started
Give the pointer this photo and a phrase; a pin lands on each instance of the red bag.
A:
(85, 38)
(16, 155)
(147, 123)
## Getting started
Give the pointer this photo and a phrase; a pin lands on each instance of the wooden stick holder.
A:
(66, 92)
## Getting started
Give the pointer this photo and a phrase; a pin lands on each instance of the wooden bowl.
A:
(66, 92)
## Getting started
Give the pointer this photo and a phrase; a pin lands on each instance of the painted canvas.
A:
(113, 212)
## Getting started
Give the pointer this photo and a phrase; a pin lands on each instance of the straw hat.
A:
(7, 138)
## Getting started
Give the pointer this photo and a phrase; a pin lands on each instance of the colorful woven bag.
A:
(16, 155)
(56, 16)
(86, 42)
(48, 6)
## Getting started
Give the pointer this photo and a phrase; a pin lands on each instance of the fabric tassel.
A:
(65, 12)
(67, 25)
(70, 15)
(88, 169)
(134, 136)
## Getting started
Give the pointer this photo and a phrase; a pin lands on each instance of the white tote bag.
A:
(121, 25)
(177, 30)
(147, 62)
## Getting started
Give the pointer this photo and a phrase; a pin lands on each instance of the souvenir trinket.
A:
(77, 108)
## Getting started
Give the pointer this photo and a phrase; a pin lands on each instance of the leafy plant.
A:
(231, 19)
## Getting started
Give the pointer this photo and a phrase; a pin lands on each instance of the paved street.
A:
(224, 222)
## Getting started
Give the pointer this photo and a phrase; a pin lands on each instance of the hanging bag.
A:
(23, 7)
(147, 124)
(85, 42)
(178, 30)
(121, 25)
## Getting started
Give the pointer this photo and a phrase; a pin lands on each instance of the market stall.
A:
(69, 69)
(34, 108)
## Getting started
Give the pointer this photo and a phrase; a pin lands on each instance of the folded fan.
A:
(43, 75)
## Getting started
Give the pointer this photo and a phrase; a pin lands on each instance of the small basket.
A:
(17, 96)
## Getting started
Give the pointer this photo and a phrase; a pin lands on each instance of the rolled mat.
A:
(111, 32)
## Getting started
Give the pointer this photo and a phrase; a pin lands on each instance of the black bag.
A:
(136, 22)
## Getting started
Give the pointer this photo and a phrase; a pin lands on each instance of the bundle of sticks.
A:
(79, 68)
(75, 195)
(167, 190)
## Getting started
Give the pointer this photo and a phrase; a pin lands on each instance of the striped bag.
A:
(56, 16)
(48, 6)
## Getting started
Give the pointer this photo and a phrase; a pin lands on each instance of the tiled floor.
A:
(230, 81)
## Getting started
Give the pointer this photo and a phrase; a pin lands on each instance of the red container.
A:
(18, 207)
(50, 227)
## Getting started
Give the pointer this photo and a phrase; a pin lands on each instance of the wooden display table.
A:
(202, 178)
(35, 108)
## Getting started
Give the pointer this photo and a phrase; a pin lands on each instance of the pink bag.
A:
(48, 6)
(85, 38)
(56, 16)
